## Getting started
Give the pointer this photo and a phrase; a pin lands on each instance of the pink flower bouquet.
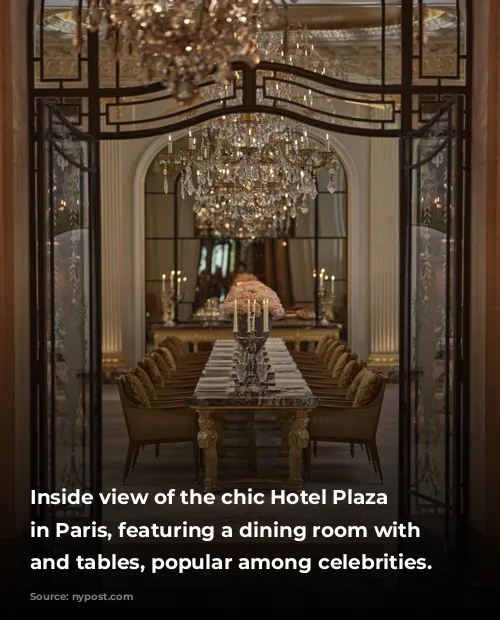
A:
(250, 292)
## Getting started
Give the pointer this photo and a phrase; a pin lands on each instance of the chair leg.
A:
(134, 458)
(128, 459)
(315, 449)
(376, 459)
(368, 453)
(352, 450)
(157, 450)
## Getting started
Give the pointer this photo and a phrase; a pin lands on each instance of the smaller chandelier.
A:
(179, 43)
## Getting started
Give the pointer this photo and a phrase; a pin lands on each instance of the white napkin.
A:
(296, 383)
(213, 380)
(283, 367)
(217, 372)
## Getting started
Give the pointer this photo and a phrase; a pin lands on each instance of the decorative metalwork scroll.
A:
(338, 65)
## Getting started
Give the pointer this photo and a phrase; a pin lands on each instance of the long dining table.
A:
(285, 394)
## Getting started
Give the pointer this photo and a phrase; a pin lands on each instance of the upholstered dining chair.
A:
(182, 359)
(146, 425)
(355, 423)
(320, 362)
(186, 353)
(312, 377)
(156, 396)
(175, 379)
(305, 355)
(162, 387)
(173, 371)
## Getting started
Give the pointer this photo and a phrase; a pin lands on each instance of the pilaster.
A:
(384, 253)
(112, 239)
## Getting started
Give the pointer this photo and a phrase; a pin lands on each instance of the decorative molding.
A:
(355, 62)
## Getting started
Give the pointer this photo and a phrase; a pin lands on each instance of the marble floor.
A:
(332, 469)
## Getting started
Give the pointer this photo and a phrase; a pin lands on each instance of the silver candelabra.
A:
(168, 308)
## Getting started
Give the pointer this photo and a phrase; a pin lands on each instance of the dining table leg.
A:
(298, 441)
(207, 441)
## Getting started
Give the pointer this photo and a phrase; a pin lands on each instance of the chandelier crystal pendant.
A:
(250, 176)
(180, 43)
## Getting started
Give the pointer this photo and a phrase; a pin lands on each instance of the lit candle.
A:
(172, 274)
(265, 311)
(327, 142)
(235, 317)
(253, 317)
(170, 144)
(163, 278)
(306, 140)
(249, 323)
(179, 280)
(190, 141)
(321, 280)
(333, 286)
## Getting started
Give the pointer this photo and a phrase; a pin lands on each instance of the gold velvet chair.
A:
(146, 425)
(352, 423)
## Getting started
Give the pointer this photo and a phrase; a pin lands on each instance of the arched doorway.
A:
(414, 97)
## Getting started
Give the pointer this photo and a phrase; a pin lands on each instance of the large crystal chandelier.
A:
(181, 42)
(254, 173)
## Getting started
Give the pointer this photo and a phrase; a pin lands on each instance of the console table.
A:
(289, 330)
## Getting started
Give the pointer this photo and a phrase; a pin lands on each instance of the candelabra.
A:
(324, 303)
(168, 308)
(251, 335)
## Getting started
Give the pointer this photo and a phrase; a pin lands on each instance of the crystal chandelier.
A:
(256, 173)
(181, 42)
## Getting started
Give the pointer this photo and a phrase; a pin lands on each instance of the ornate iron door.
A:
(432, 377)
(68, 380)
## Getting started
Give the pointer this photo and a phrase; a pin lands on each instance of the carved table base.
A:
(294, 420)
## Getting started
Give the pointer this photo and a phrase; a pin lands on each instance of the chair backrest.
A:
(350, 371)
(167, 356)
(353, 388)
(149, 365)
(169, 344)
(341, 363)
(128, 408)
(162, 365)
(181, 345)
(328, 349)
(322, 343)
(146, 382)
(336, 356)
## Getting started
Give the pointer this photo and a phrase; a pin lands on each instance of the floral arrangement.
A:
(252, 291)
(242, 278)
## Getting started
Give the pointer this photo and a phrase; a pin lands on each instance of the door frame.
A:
(445, 548)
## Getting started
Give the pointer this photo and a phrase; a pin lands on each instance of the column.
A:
(112, 235)
(384, 253)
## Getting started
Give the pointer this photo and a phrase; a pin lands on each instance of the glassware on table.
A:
(263, 371)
